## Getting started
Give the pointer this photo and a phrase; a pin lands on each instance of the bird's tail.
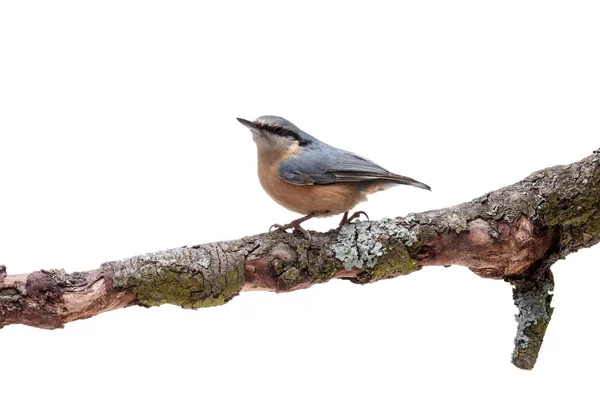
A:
(408, 181)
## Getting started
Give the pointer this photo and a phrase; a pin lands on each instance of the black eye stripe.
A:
(283, 132)
(279, 131)
(276, 129)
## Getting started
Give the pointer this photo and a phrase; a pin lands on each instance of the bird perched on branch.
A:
(309, 177)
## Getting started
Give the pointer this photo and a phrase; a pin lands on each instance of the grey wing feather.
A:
(296, 177)
(309, 168)
(328, 165)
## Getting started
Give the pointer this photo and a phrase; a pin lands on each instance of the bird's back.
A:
(321, 164)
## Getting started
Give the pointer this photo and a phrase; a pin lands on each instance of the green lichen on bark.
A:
(322, 268)
(400, 243)
(288, 279)
(188, 277)
(395, 261)
(170, 286)
(572, 204)
(323, 271)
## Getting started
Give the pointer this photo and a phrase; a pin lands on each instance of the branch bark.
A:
(515, 233)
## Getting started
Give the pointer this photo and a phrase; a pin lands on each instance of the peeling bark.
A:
(515, 233)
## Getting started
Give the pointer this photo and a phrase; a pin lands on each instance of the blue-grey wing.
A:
(310, 167)
(328, 165)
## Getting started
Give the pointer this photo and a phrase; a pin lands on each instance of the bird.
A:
(312, 178)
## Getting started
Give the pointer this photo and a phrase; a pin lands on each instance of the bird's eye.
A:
(274, 129)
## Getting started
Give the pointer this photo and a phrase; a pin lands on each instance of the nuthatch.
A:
(309, 177)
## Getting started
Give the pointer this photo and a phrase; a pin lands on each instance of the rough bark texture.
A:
(515, 233)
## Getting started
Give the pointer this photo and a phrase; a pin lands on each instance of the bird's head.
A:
(275, 134)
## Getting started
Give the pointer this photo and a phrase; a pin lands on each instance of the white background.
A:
(118, 137)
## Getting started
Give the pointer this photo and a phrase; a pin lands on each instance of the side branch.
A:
(515, 233)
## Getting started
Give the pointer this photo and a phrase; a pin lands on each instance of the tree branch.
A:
(515, 233)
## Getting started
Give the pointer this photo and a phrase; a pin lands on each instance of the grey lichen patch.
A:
(457, 222)
(357, 246)
(2, 273)
(455, 219)
(204, 276)
(409, 238)
(533, 298)
(377, 248)
(400, 229)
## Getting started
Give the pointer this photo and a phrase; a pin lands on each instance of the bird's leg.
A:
(346, 219)
(357, 214)
(305, 233)
(296, 225)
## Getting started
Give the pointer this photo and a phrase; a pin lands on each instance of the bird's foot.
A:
(279, 227)
(346, 219)
(357, 214)
(305, 233)
(296, 225)
(282, 228)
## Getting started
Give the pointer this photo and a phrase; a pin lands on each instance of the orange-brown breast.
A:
(324, 200)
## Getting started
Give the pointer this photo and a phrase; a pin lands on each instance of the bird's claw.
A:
(297, 227)
(305, 233)
(277, 227)
(357, 214)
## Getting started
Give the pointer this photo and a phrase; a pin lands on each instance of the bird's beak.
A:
(247, 123)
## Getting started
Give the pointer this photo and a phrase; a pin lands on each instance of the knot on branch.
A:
(285, 263)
